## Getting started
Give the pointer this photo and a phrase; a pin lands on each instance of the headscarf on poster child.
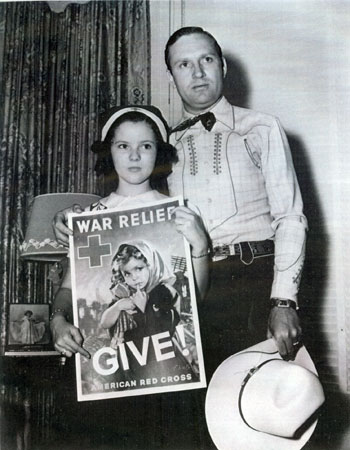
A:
(159, 271)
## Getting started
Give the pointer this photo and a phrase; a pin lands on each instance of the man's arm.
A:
(289, 224)
(284, 323)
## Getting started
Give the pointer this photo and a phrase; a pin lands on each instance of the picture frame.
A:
(28, 331)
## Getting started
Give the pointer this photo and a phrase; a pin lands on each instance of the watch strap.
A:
(284, 303)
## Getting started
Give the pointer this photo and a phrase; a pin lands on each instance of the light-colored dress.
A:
(27, 331)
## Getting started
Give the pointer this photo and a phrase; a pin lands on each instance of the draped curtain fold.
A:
(59, 72)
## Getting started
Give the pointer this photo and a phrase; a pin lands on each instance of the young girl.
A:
(145, 304)
(133, 154)
(139, 276)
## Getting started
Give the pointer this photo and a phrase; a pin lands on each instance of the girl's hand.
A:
(190, 225)
(126, 304)
(67, 338)
(59, 224)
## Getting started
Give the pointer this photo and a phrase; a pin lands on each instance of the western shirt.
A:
(241, 177)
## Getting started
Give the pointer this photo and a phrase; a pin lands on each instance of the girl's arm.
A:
(191, 226)
(111, 314)
(66, 337)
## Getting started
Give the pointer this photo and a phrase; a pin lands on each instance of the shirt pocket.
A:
(253, 155)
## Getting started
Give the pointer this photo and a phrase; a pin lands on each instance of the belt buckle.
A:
(222, 250)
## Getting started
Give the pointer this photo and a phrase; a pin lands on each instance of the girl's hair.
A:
(166, 154)
(28, 312)
(121, 258)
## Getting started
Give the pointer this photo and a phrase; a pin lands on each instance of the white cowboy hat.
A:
(258, 401)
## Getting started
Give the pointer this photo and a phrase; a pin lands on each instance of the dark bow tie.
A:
(208, 120)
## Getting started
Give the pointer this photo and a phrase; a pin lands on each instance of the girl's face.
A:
(135, 273)
(134, 152)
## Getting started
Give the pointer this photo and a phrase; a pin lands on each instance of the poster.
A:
(134, 302)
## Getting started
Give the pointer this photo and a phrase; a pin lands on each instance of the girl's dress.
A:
(115, 200)
(27, 331)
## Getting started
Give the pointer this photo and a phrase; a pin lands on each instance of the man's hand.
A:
(284, 327)
(67, 338)
(191, 226)
(59, 224)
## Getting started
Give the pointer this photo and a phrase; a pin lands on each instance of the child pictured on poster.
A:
(145, 303)
(141, 285)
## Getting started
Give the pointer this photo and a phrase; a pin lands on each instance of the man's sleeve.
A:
(289, 222)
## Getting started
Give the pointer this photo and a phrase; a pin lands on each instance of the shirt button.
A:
(209, 200)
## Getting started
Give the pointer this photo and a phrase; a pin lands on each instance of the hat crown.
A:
(280, 397)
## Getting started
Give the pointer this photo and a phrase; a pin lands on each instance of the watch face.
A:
(283, 303)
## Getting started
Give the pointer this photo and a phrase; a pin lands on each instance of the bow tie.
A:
(208, 120)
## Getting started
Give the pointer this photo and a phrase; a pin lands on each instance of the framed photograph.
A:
(28, 331)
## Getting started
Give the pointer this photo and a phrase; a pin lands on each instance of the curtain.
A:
(59, 72)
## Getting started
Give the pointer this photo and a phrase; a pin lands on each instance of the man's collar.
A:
(223, 112)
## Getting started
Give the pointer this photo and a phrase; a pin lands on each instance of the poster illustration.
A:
(134, 302)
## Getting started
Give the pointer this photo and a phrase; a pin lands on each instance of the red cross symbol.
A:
(94, 251)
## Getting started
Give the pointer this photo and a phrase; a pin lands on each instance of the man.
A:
(237, 169)
(240, 175)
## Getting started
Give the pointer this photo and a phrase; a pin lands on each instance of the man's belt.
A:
(246, 250)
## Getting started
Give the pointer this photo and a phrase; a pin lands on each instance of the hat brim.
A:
(226, 427)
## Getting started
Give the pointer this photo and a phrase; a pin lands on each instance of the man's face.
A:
(197, 71)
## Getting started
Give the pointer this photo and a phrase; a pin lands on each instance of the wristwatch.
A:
(284, 303)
